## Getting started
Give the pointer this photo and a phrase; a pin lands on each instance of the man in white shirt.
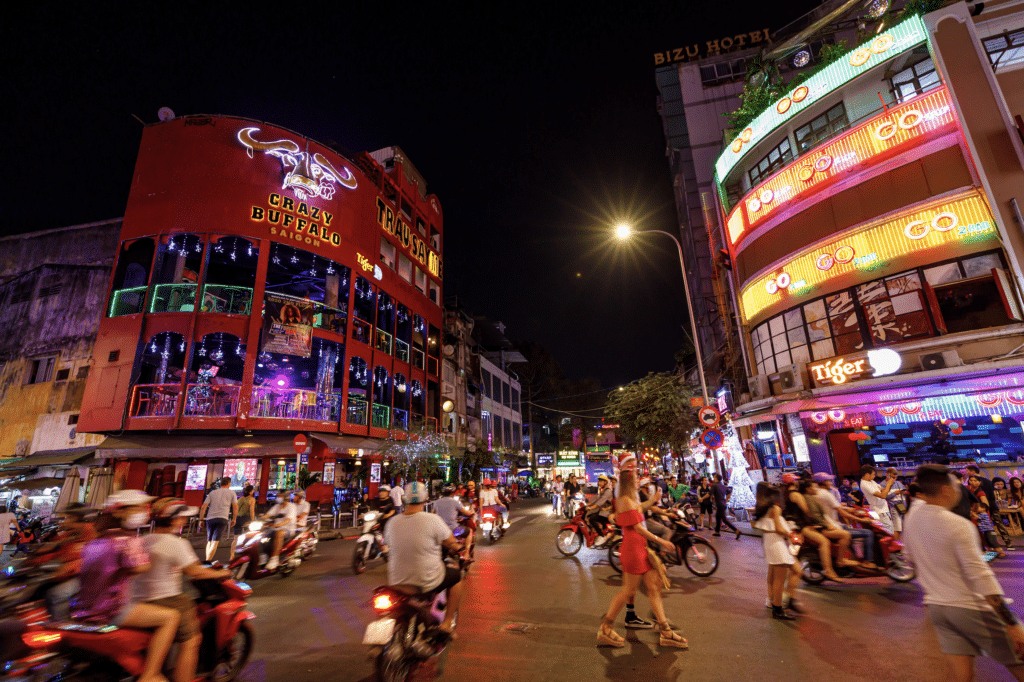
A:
(220, 507)
(8, 527)
(838, 514)
(396, 497)
(876, 495)
(556, 490)
(301, 509)
(489, 497)
(170, 555)
(416, 540)
(964, 599)
(284, 525)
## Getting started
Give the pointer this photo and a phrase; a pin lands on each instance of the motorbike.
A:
(253, 551)
(370, 544)
(492, 526)
(574, 535)
(893, 563)
(92, 651)
(696, 553)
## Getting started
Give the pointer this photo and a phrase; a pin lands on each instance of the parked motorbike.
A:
(888, 556)
(574, 535)
(696, 553)
(90, 651)
(370, 544)
(492, 526)
(253, 551)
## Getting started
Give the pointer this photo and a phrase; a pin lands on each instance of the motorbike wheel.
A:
(811, 573)
(701, 558)
(235, 655)
(289, 568)
(568, 542)
(394, 663)
(899, 569)
(358, 562)
(614, 558)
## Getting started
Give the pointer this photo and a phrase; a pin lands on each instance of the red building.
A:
(265, 285)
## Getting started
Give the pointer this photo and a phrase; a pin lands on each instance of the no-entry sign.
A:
(301, 444)
(708, 416)
(712, 438)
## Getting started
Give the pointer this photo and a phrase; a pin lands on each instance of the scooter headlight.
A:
(873, 515)
(369, 516)
(256, 525)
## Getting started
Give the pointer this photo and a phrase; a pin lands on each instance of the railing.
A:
(295, 403)
(173, 298)
(419, 359)
(361, 331)
(208, 400)
(380, 416)
(432, 366)
(223, 298)
(356, 411)
(324, 316)
(127, 301)
(432, 424)
(401, 420)
(155, 400)
(402, 351)
(383, 341)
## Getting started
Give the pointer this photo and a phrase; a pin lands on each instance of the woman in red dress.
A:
(635, 565)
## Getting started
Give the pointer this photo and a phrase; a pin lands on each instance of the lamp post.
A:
(623, 232)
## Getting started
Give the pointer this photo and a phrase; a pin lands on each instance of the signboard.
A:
(328, 476)
(696, 401)
(288, 325)
(569, 458)
(836, 371)
(545, 460)
(712, 438)
(708, 416)
(195, 478)
(243, 472)
(741, 41)
(375, 472)
(301, 444)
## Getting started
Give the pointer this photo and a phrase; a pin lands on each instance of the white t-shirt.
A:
(397, 493)
(415, 549)
(300, 509)
(168, 554)
(289, 511)
(872, 493)
(488, 498)
(558, 486)
(6, 519)
(830, 505)
(219, 502)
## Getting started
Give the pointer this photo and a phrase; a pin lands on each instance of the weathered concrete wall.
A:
(89, 244)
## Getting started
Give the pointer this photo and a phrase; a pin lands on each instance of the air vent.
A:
(83, 372)
(72, 419)
(114, 356)
(62, 374)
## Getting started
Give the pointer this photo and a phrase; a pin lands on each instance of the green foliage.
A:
(919, 7)
(307, 479)
(416, 456)
(655, 410)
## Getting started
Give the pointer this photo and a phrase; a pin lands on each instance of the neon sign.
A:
(899, 39)
(308, 175)
(963, 219)
(866, 145)
(838, 371)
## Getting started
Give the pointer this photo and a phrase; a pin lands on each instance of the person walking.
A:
(217, 511)
(721, 495)
(246, 513)
(964, 600)
(783, 570)
(704, 500)
(636, 566)
(556, 495)
(397, 494)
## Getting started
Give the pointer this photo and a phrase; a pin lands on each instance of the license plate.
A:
(379, 632)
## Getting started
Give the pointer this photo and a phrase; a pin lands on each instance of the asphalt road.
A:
(531, 614)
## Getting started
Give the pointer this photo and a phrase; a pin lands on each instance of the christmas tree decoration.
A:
(739, 479)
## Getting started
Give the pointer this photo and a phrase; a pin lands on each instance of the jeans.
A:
(720, 519)
(869, 541)
(556, 502)
(662, 531)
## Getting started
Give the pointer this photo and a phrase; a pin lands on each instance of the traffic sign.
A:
(696, 401)
(708, 416)
(712, 438)
(301, 444)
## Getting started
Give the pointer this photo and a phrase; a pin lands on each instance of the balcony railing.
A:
(356, 412)
(401, 418)
(383, 341)
(127, 301)
(324, 316)
(381, 416)
(207, 400)
(173, 298)
(295, 403)
(361, 331)
(223, 298)
(419, 359)
(155, 400)
(402, 351)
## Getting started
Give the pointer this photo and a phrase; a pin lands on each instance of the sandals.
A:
(836, 579)
(609, 637)
(668, 637)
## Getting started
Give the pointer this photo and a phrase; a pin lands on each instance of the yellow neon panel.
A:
(903, 125)
(966, 219)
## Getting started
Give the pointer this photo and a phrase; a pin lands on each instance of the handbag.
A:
(900, 507)
(659, 566)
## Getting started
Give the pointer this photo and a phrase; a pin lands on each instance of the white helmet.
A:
(416, 493)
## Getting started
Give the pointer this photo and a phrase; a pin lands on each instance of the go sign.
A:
(712, 438)
(708, 416)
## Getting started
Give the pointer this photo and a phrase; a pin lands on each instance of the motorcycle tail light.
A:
(39, 639)
(383, 602)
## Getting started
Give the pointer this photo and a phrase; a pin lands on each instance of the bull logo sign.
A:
(308, 175)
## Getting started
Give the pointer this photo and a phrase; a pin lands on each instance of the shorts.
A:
(969, 632)
(452, 576)
(242, 524)
(215, 529)
(188, 627)
(705, 508)
(122, 615)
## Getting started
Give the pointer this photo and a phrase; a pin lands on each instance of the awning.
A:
(338, 443)
(48, 458)
(193, 446)
(11, 473)
(35, 484)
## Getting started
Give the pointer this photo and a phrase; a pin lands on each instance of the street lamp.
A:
(623, 231)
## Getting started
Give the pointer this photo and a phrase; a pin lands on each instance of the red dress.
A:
(633, 551)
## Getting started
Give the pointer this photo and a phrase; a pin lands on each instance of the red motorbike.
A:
(253, 551)
(575, 533)
(888, 556)
(91, 651)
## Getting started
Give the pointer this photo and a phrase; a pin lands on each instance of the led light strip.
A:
(967, 218)
(902, 37)
(901, 126)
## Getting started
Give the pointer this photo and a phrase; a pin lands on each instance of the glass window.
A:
(381, 390)
(486, 379)
(40, 370)
(176, 273)
(157, 388)
(403, 332)
(507, 431)
(358, 391)
(405, 267)
(387, 253)
(435, 292)
(416, 399)
(421, 280)
(772, 161)
(941, 274)
(821, 128)
(314, 285)
(298, 386)
(914, 80)
(421, 227)
(131, 277)
(981, 266)
(1006, 49)
(215, 376)
(364, 310)
(515, 399)
(506, 395)
(229, 276)
(419, 340)
(385, 323)
(401, 410)
(497, 430)
(435, 239)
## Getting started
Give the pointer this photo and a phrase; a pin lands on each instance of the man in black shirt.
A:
(571, 488)
(721, 495)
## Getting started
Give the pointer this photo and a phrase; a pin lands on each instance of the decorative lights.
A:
(802, 58)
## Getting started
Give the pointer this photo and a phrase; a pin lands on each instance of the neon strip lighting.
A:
(953, 407)
(902, 37)
(866, 145)
(966, 219)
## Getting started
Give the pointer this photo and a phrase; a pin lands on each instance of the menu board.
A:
(195, 479)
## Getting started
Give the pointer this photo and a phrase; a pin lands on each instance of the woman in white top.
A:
(781, 562)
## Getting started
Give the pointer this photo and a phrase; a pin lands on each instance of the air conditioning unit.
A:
(759, 387)
(789, 379)
(940, 360)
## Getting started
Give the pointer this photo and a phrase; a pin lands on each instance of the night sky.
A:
(535, 126)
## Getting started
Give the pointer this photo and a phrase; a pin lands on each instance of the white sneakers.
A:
(600, 541)
(273, 563)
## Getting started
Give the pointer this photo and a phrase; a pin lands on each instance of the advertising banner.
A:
(288, 325)
(243, 472)
(195, 479)
(328, 477)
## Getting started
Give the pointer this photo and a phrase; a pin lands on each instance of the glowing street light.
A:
(622, 231)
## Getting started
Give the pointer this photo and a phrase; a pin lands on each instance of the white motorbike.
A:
(370, 544)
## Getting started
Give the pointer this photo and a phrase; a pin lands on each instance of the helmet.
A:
(384, 489)
(821, 477)
(602, 477)
(126, 498)
(448, 489)
(789, 478)
(171, 507)
(416, 493)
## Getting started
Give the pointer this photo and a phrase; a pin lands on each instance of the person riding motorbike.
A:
(841, 515)
(489, 497)
(416, 540)
(108, 565)
(170, 555)
(649, 504)
(76, 530)
(599, 509)
(301, 508)
(281, 519)
(795, 510)
(450, 509)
